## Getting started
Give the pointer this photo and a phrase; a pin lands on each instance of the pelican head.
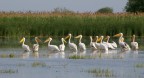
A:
(79, 36)
(118, 35)
(96, 37)
(99, 39)
(63, 40)
(69, 35)
(22, 40)
(47, 40)
(37, 39)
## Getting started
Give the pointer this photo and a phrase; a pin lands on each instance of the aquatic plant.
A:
(76, 57)
(101, 72)
(8, 71)
(140, 65)
(11, 55)
(39, 64)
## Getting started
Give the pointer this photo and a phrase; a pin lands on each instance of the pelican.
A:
(92, 44)
(52, 48)
(81, 45)
(96, 42)
(124, 46)
(110, 46)
(103, 46)
(114, 44)
(24, 46)
(62, 46)
(72, 46)
(134, 44)
(36, 46)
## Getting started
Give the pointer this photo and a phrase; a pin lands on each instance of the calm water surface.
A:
(59, 65)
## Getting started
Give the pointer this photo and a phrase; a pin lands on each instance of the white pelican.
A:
(110, 46)
(96, 42)
(81, 45)
(24, 46)
(134, 44)
(92, 44)
(36, 46)
(103, 46)
(52, 48)
(62, 46)
(124, 46)
(72, 46)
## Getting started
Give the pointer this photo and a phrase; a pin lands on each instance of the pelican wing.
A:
(124, 45)
(26, 48)
(35, 47)
(62, 47)
(82, 46)
(114, 44)
(53, 48)
(73, 46)
(134, 45)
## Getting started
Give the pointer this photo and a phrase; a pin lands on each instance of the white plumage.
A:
(103, 46)
(110, 46)
(62, 46)
(134, 44)
(52, 48)
(72, 46)
(92, 44)
(82, 46)
(36, 46)
(24, 46)
(96, 43)
(124, 46)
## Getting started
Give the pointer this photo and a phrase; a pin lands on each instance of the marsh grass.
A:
(15, 25)
(8, 71)
(60, 24)
(101, 72)
(80, 57)
(38, 64)
(140, 65)
(11, 55)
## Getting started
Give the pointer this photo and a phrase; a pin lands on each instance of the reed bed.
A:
(60, 24)
(15, 25)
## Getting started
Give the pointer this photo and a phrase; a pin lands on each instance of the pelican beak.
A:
(117, 35)
(21, 40)
(64, 41)
(38, 40)
(99, 39)
(47, 40)
(67, 37)
(77, 36)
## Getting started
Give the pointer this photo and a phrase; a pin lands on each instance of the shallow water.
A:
(14, 64)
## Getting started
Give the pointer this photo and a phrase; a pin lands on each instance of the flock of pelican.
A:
(98, 44)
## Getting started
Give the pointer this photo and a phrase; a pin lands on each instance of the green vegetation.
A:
(11, 55)
(15, 25)
(8, 71)
(60, 24)
(105, 10)
(77, 57)
(140, 65)
(38, 64)
(101, 72)
(135, 6)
